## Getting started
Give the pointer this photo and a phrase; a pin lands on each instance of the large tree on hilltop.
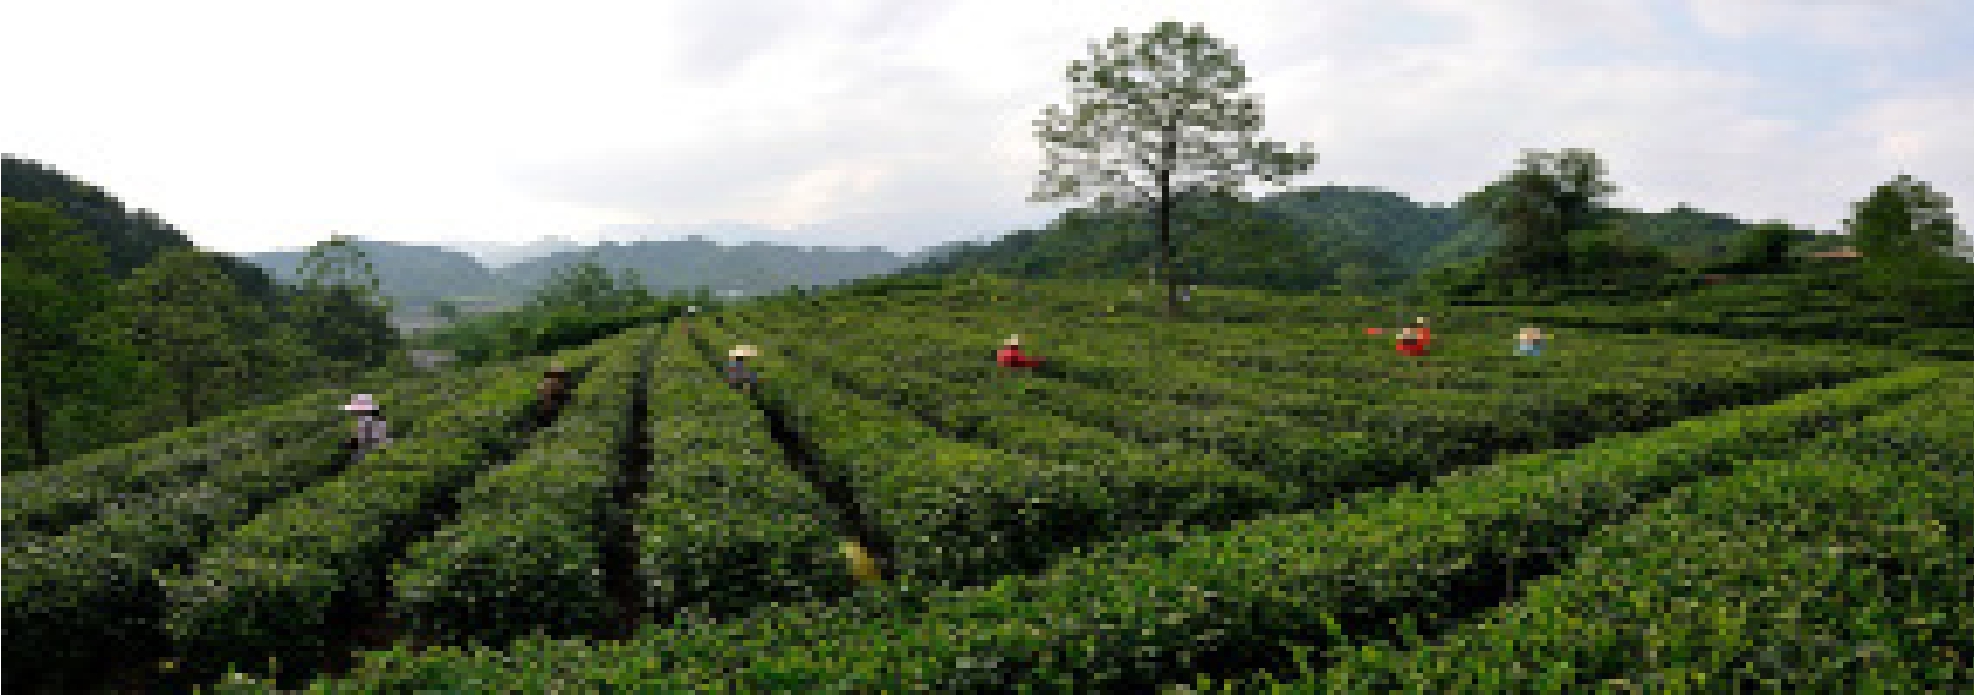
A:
(1538, 205)
(1903, 218)
(1154, 116)
(339, 305)
(1906, 232)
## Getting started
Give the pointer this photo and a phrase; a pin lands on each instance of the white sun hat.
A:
(361, 401)
(1012, 340)
(744, 351)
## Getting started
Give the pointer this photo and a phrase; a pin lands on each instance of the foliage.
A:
(188, 318)
(588, 287)
(87, 537)
(130, 239)
(1538, 205)
(272, 585)
(1823, 570)
(536, 331)
(1156, 116)
(725, 525)
(1906, 232)
(1902, 219)
(123, 367)
(525, 553)
(1142, 612)
(56, 351)
(1768, 247)
(339, 307)
(1292, 241)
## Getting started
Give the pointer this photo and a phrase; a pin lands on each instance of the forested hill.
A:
(410, 275)
(419, 275)
(118, 326)
(1302, 239)
(129, 239)
(681, 264)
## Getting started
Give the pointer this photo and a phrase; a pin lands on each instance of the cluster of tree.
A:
(1912, 252)
(118, 327)
(1555, 231)
(577, 304)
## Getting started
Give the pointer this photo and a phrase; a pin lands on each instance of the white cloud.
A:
(255, 125)
(1847, 23)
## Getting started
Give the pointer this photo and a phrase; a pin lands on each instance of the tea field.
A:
(1259, 497)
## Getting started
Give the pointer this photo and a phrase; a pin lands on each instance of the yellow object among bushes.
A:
(862, 565)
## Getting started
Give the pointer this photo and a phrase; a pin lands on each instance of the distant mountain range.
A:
(417, 275)
(1295, 240)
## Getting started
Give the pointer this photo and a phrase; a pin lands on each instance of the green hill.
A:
(1296, 240)
(685, 264)
(129, 238)
(94, 359)
(413, 276)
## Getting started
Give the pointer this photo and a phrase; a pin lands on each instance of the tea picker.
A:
(1011, 357)
(739, 374)
(1528, 343)
(372, 431)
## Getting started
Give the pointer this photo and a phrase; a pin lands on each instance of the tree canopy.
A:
(1154, 116)
(1539, 205)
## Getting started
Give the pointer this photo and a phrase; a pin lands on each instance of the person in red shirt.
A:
(1410, 343)
(1011, 356)
(1425, 333)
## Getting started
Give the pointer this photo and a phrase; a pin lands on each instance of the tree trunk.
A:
(1165, 223)
(188, 395)
(36, 422)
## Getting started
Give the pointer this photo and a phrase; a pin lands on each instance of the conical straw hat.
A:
(862, 565)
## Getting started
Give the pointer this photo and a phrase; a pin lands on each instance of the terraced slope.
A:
(1165, 505)
(1165, 607)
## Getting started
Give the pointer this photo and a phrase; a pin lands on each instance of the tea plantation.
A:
(1258, 497)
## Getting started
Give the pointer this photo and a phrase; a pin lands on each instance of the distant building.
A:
(1839, 253)
(432, 360)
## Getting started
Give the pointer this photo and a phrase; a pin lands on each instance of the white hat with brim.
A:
(1012, 340)
(744, 351)
(361, 401)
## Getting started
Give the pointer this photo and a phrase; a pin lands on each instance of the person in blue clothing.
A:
(1528, 343)
(739, 375)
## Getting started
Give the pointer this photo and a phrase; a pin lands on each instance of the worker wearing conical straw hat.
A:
(1012, 358)
(372, 432)
(739, 374)
(1528, 343)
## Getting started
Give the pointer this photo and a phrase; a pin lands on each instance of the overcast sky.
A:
(905, 123)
